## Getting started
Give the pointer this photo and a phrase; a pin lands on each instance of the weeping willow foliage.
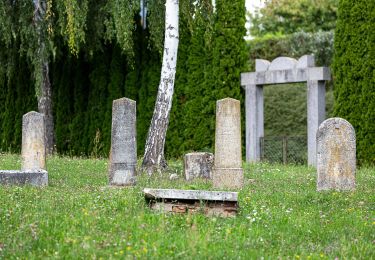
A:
(121, 24)
(156, 20)
(38, 32)
(79, 23)
(5, 23)
(72, 18)
(98, 51)
(16, 30)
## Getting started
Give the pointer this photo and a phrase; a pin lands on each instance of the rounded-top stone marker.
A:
(336, 155)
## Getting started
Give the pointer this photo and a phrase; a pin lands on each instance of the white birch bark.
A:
(45, 90)
(153, 158)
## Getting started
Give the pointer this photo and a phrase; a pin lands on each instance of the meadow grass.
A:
(281, 216)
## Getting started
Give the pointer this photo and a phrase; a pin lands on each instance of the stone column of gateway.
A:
(280, 71)
(228, 171)
(33, 142)
(123, 154)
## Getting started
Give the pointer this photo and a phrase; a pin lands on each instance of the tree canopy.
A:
(289, 16)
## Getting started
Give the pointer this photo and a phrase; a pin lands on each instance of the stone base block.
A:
(122, 174)
(231, 178)
(198, 165)
(34, 177)
(338, 185)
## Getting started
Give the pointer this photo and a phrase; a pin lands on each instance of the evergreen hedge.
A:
(197, 127)
(354, 72)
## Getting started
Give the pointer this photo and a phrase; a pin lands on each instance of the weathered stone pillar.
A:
(336, 155)
(228, 171)
(123, 156)
(316, 106)
(254, 121)
(198, 165)
(33, 142)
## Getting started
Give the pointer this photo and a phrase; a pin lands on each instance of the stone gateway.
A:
(283, 70)
(336, 155)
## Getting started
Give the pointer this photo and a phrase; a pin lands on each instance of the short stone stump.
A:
(198, 165)
(28, 177)
(210, 203)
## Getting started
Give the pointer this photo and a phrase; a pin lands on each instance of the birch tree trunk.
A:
(153, 158)
(44, 91)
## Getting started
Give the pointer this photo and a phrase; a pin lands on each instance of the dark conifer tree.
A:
(198, 119)
(354, 72)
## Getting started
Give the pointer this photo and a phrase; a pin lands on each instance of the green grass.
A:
(281, 215)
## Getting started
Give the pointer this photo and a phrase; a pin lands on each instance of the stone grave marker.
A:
(228, 171)
(33, 141)
(123, 155)
(33, 152)
(336, 155)
(198, 165)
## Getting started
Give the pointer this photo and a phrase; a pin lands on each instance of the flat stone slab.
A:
(27, 177)
(211, 203)
(190, 194)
